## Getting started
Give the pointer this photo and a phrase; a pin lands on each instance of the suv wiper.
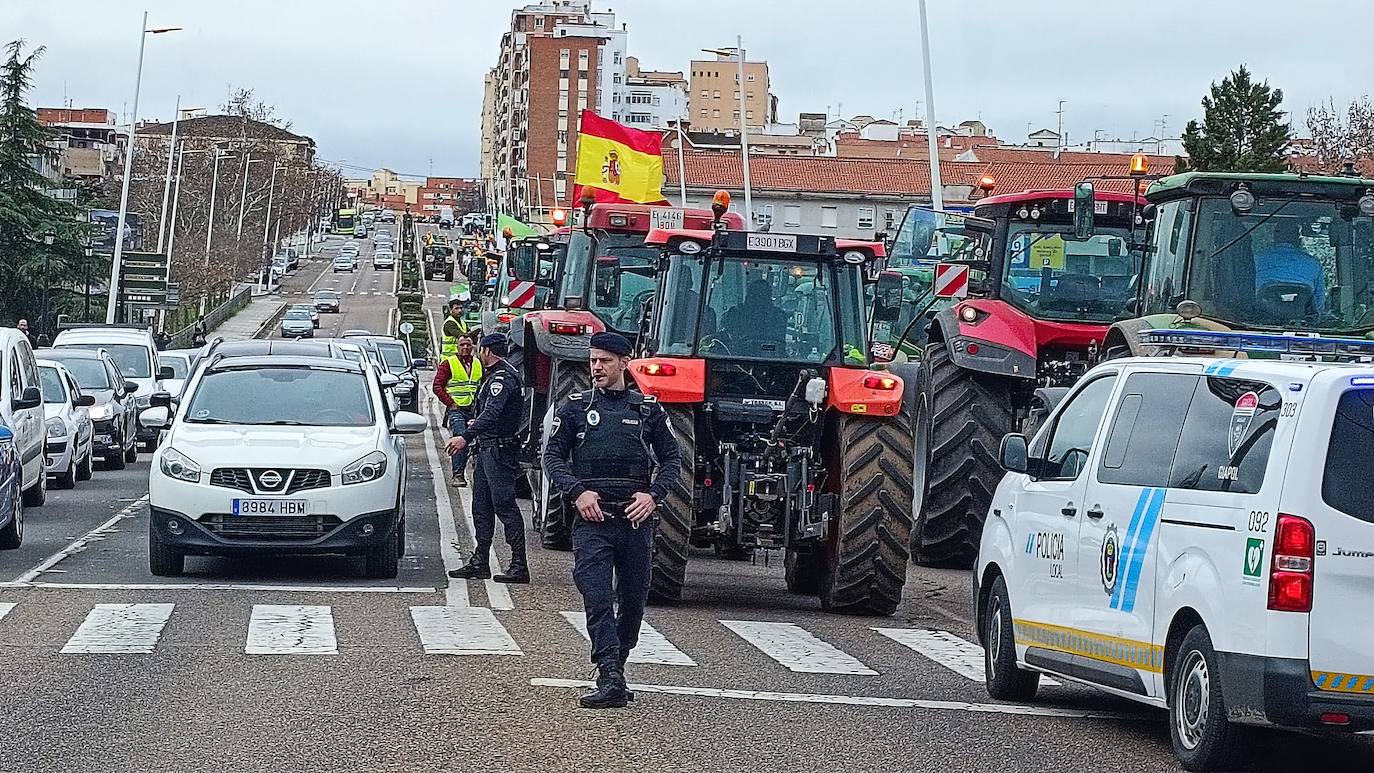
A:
(209, 420)
(284, 423)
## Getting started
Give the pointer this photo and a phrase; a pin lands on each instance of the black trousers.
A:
(611, 565)
(493, 496)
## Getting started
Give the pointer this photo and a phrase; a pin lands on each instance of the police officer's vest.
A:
(612, 449)
(448, 344)
(462, 384)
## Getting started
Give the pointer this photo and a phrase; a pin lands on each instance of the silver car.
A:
(297, 324)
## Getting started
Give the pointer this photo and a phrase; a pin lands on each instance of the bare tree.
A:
(1340, 137)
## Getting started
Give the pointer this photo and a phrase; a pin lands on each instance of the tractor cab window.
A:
(897, 296)
(1054, 277)
(765, 309)
(614, 273)
(1287, 264)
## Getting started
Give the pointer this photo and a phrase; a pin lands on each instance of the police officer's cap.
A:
(614, 343)
(495, 342)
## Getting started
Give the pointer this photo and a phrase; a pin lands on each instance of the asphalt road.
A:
(301, 665)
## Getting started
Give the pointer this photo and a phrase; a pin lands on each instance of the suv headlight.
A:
(366, 469)
(56, 427)
(101, 411)
(175, 464)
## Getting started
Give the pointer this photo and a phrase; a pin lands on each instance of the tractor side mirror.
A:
(1014, 453)
(1084, 203)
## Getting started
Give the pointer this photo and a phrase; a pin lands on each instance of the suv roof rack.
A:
(103, 326)
(1332, 349)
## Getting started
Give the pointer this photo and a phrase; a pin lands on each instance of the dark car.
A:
(115, 413)
(394, 353)
(11, 497)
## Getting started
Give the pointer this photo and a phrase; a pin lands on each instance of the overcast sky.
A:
(398, 83)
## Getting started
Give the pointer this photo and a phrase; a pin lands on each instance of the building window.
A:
(539, 22)
(615, 78)
(736, 115)
(830, 217)
(791, 215)
(865, 219)
(582, 102)
(763, 215)
(747, 114)
(617, 57)
(715, 113)
(705, 113)
(582, 59)
(716, 94)
(563, 58)
(705, 94)
(889, 219)
(748, 95)
(750, 77)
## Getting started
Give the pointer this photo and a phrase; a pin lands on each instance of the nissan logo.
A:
(269, 479)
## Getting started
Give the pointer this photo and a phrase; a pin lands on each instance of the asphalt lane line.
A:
(797, 649)
(962, 657)
(5, 608)
(119, 629)
(217, 586)
(462, 631)
(858, 700)
(79, 544)
(456, 594)
(653, 647)
(291, 629)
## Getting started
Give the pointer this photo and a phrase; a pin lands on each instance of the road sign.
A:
(143, 279)
(407, 328)
(951, 280)
(521, 294)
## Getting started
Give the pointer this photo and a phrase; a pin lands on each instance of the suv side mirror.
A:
(31, 397)
(84, 401)
(160, 400)
(130, 386)
(165, 373)
(155, 418)
(1084, 204)
(1014, 454)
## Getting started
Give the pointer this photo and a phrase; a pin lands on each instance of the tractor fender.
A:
(848, 393)
(1001, 341)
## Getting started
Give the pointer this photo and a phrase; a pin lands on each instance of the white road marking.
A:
(858, 700)
(796, 648)
(5, 608)
(119, 629)
(653, 647)
(291, 629)
(79, 544)
(456, 594)
(462, 631)
(962, 657)
(217, 586)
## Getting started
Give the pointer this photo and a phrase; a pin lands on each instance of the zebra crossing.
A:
(310, 630)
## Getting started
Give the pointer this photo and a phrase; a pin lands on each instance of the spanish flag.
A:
(619, 163)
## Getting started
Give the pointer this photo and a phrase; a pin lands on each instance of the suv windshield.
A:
(395, 356)
(177, 364)
(1052, 277)
(1305, 265)
(51, 383)
(763, 309)
(133, 361)
(89, 372)
(286, 395)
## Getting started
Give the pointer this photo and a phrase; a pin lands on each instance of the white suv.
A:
(279, 454)
(1194, 534)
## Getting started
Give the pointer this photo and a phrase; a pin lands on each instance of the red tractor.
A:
(758, 351)
(603, 280)
(1040, 299)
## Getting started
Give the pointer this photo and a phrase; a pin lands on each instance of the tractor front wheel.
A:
(868, 548)
(961, 416)
(676, 514)
(555, 523)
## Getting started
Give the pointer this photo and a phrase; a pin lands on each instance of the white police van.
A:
(1196, 534)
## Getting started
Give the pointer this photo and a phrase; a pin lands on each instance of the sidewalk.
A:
(244, 324)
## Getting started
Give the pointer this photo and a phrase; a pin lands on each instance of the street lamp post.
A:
(248, 161)
(167, 184)
(743, 129)
(937, 193)
(267, 225)
(210, 227)
(111, 304)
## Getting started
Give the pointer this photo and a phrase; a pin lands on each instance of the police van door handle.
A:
(1069, 510)
(1095, 513)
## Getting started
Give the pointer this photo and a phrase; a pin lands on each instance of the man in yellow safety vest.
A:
(454, 328)
(455, 384)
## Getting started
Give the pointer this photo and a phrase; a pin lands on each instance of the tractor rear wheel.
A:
(870, 538)
(676, 514)
(961, 416)
(555, 523)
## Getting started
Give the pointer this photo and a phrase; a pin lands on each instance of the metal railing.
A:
(215, 317)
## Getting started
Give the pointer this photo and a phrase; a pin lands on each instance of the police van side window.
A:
(1349, 456)
(1146, 428)
(1071, 440)
(1226, 436)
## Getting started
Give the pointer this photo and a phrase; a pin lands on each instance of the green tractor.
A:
(1267, 253)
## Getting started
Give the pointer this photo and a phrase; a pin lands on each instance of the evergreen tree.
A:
(1242, 127)
(31, 270)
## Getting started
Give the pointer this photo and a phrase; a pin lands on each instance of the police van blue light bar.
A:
(1362, 381)
(1261, 343)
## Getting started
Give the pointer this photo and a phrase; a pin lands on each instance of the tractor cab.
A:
(1269, 253)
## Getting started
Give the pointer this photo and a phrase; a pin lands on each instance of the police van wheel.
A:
(868, 549)
(673, 536)
(960, 420)
(1006, 681)
(1202, 737)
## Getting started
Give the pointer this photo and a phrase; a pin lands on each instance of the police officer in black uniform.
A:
(499, 417)
(613, 455)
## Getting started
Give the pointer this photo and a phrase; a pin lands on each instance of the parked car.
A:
(70, 452)
(21, 409)
(11, 491)
(135, 352)
(310, 309)
(181, 362)
(115, 413)
(395, 355)
(297, 324)
(345, 263)
(232, 480)
(327, 300)
(293, 258)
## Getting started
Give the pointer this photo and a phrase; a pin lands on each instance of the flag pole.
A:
(681, 166)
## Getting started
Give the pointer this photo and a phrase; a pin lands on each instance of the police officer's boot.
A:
(518, 573)
(477, 567)
(610, 690)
